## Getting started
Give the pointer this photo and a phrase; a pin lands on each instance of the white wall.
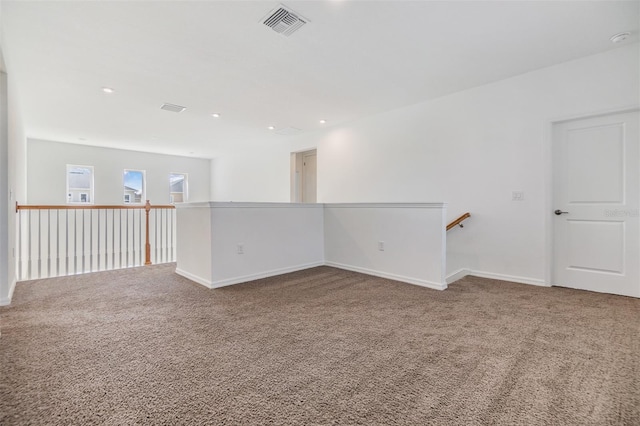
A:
(193, 254)
(282, 237)
(259, 176)
(405, 242)
(5, 279)
(5, 258)
(15, 189)
(275, 237)
(470, 149)
(47, 162)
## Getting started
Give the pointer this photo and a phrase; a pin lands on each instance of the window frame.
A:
(185, 188)
(81, 191)
(143, 196)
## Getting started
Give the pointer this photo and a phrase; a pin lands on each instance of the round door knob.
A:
(559, 212)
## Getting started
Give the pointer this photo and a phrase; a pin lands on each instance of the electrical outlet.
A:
(517, 196)
(381, 245)
(240, 248)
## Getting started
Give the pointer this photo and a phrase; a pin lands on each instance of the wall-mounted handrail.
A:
(458, 221)
(56, 240)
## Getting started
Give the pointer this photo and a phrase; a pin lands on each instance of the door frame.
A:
(305, 175)
(549, 180)
(295, 180)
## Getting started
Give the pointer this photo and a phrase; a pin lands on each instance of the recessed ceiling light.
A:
(271, 127)
(323, 121)
(617, 38)
(107, 90)
(215, 115)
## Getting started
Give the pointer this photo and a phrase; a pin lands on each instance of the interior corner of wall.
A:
(457, 275)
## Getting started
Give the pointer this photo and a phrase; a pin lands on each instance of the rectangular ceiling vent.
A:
(284, 20)
(288, 131)
(173, 108)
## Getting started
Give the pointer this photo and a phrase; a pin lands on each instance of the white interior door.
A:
(596, 194)
(309, 171)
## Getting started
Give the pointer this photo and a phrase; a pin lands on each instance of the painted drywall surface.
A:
(5, 279)
(470, 149)
(253, 176)
(405, 242)
(223, 243)
(47, 162)
(275, 238)
(193, 246)
(16, 154)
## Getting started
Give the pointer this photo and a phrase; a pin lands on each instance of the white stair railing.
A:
(67, 240)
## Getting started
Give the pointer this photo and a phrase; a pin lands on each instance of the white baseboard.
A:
(194, 278)
(265, 274)
(461, 273)
(7, 300)
(408, 280)
(512, 278)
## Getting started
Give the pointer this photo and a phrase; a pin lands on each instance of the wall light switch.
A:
(381, 245)
(240, 248)
(517, 196)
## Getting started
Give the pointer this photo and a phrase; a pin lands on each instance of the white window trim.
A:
(91, 190)
(185, 187)
(143, 199)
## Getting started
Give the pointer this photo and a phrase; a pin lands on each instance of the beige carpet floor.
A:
(322, 346)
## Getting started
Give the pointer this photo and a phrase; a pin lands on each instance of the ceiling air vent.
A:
(284, 20)
(288, 131)
(173, 108)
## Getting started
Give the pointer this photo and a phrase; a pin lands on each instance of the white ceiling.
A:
(354, 59)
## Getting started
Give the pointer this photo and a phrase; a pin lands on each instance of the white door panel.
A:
(309, 171)
(595, 168)
(596, 245)
(597, 189)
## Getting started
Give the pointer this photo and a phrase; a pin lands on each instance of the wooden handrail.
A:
(146, 207)
(458, 221)
(90, 207)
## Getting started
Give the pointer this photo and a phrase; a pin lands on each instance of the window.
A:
(134, 187)
(79, 184)
(178, 188)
